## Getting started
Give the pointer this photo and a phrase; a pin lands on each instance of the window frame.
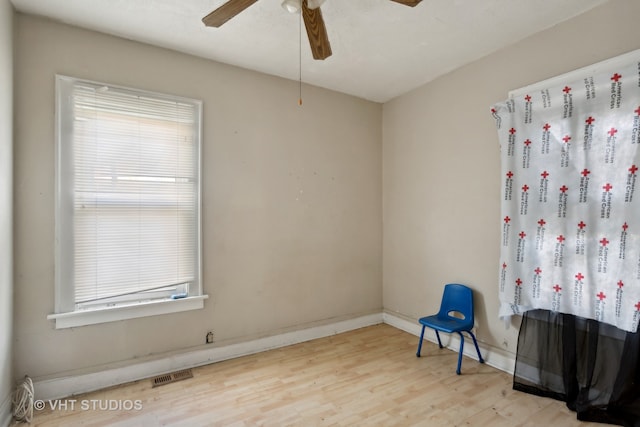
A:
(67, 312)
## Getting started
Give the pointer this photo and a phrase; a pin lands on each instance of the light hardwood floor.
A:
(366, 377)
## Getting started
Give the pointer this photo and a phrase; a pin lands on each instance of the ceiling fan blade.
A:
(226, 12)
(411, 3)
(316, 31)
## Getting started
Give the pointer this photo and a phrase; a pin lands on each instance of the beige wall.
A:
(6, 251)
(441, 166)
(292, 202)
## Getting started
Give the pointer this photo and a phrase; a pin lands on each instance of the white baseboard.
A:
(68, 386)
(5, 411)
(493, 356)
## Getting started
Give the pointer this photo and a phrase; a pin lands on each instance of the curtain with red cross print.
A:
(570, 217)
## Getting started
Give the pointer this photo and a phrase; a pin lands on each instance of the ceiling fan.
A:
(311, 13)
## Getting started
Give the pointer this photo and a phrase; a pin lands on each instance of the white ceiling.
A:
(381, 49)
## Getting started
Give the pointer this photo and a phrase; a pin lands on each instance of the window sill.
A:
(122, 312)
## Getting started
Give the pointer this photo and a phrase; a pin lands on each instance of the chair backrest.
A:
(457, 298)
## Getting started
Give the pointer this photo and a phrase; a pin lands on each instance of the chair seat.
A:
(447, 324)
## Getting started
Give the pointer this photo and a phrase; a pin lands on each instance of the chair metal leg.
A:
(438, 336)
(420, 342)
(460, 354)
(480, 359)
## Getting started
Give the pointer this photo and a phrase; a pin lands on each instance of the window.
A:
(127, 203)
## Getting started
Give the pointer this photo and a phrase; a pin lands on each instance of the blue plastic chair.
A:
(458, 300)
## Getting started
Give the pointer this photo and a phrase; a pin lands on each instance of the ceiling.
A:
(381, 49)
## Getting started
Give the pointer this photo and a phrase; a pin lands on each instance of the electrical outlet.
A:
(209, 337)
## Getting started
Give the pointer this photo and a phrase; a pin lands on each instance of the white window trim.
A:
(96, 315)
(123, 312)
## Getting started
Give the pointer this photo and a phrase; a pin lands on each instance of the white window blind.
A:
(128, 199)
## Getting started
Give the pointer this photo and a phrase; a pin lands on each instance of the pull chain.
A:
(300, 56)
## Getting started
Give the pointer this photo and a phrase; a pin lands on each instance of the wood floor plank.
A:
(366, 377)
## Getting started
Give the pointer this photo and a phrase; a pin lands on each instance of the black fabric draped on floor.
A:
(594, 367)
